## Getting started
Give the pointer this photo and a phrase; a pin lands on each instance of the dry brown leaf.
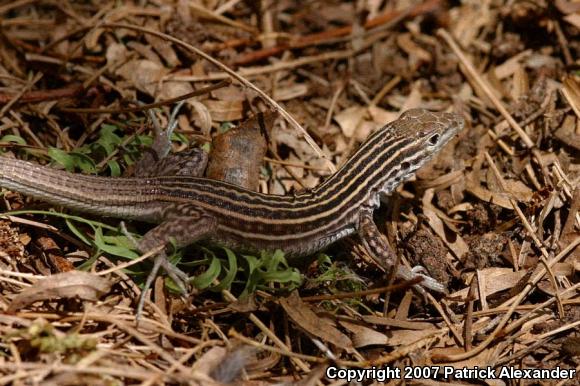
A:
(364, 336)
(518, 190)
(381, 116)
(470, 21)
(290, 92)
(576, 262)
(567, 7)
(573, 19)
(458, 245)
(54, 254)
(349, 119)
(237, 154)
(144, 51)
(521, 83)
(222, 366)
(365, 129)
(494, 279)
(162, 46)
(417, 54)
(404, 324)
(408, 337)
(229, 93)
(116, 53)
(309, 321)
(289, 138)
(222, 111)
(203, 119)
(171, 89)
(499, 199)
(508, 188)
(568, 134)
(209, 360)
(510, 66)
(565, 269)
(415, 97)
(481, 360)
(72, 284)
(145, 75)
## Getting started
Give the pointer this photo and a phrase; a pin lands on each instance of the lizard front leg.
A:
(378, 248)
(183, 225)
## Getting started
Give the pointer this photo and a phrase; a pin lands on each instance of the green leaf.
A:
(143, 140)
(205, 279)
(10, 138)
(228, 279)
(253, 262)
(206, 147)
(72, 160)
(180, 137)
(108, 140)
(225, 127)
(281, 276)
(62, 158)
(84, 163)
(115, 245)
(115, 168)
(271, 267)
(80, 235)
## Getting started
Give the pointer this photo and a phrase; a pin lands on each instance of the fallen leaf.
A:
(408, 337)
(290, 92)
(494, 280)
(458, 245)
(72, 284)
(144, 74)
(303, 316)
(238, 154)
(364, 336)
(222, 111)
(350, 118)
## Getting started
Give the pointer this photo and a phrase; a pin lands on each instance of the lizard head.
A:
(404, 145)
(428, 131)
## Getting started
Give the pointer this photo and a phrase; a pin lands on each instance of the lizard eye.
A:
(434, 139)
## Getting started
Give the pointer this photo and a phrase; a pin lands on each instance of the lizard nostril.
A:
(405, 165)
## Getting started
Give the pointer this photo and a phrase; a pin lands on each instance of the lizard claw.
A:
(428, 282)
(179, 277)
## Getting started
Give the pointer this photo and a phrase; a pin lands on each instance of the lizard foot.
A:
(427, 282)
(179, 277)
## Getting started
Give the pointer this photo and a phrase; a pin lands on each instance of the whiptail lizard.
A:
(189, 208)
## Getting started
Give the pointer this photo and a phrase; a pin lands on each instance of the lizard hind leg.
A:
(190, 163)
(183, 225)
(157, 160)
